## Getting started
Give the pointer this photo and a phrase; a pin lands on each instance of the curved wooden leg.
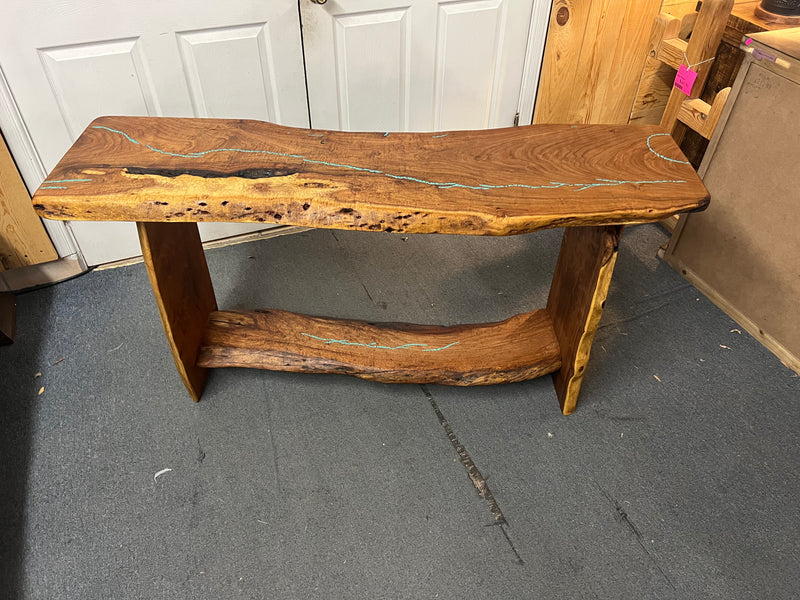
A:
(577, 296)
(176, 266)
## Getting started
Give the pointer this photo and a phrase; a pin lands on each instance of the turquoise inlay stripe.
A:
(650, 137)
(66, 180)
(437, 136)
(330, 164)
(377, 346)
(442, 185)
(52, 187)
(130, 139)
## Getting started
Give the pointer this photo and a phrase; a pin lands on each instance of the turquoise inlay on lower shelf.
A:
(377, 346)
(578, 187)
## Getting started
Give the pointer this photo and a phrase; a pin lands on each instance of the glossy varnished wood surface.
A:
(495, 182)
(577, 298)
(519, 348)
(176, 266)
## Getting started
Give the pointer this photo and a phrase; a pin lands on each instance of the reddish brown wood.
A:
(176, 266)
(577, 297)
(516, 349)
(492, 182)
(168, 174)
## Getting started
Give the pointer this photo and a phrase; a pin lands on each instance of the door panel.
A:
(247, 92)
(468, 33)
(387, 65)
(372, 87)
(67, 63)
(103, 76)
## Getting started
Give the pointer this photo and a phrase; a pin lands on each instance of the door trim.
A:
(534, 55)
(31, 168)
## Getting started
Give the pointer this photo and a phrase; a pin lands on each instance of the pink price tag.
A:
(684, 80)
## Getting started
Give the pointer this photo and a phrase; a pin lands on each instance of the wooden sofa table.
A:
(168, 174)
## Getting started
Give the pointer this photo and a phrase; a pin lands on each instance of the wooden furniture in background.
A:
(593, 59)
(23, 240)
(677, 20)
(168, 174)
(744, 253)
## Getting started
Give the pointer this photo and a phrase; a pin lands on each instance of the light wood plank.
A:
(23, 239)
(176, 266)
(562, 55)
(593, 60)
(492, 182)
(657, 78)
(516, 349)
(577, 297)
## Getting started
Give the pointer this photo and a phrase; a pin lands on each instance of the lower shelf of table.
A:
(519, 348)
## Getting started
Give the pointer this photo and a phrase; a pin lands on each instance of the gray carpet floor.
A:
(676, 477)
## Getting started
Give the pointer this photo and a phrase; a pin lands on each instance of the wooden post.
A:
(577, 296)
(176, 266)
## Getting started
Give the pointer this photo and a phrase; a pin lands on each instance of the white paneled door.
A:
(66, 63)
(380, 65)
(418, 65)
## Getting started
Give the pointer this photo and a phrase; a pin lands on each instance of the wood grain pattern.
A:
(577, 297)
(593, 60)
(23, 239)
(176, 266)
(516, 349)
(495, 182)
(657, 78)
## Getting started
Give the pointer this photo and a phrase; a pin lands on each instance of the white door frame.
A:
(534, 54)
(30, 166)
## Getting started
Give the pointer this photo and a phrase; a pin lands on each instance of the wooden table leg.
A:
(8, 318)
(577, 296)
(182, 286)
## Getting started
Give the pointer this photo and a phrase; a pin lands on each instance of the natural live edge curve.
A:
(497, 182)
(494, 182)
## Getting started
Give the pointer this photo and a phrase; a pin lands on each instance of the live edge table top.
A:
(488, 182)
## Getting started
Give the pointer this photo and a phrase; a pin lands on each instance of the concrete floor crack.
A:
(622, 515)
(474, 474)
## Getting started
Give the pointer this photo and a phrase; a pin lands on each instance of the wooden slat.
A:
(701, 116)
(593, 60)
(657, 78)
(176, 266)
(562, 55)
(23, 240)
(577, 296)
(671, 52)
(516, 349)
(706, 36)
(495, 182)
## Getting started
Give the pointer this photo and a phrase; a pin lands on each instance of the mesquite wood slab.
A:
(495, 182)
(519, 348)
(168, 174)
